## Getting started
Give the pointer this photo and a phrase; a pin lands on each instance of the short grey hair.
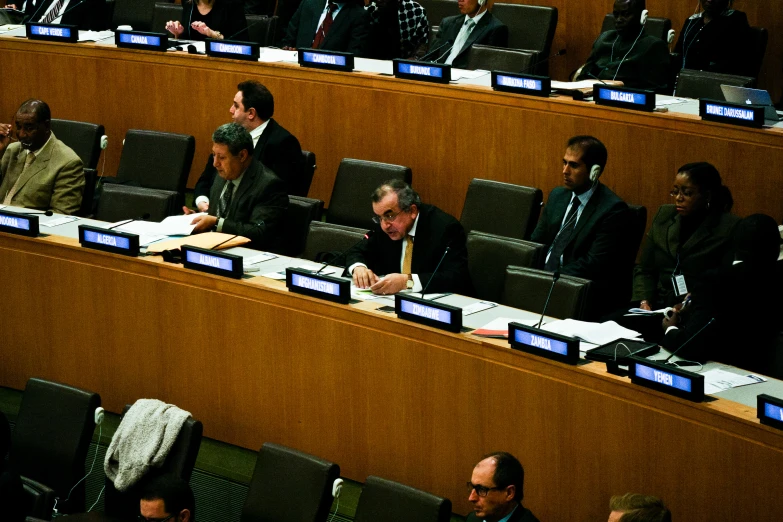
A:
(406, 196)
(235, 137)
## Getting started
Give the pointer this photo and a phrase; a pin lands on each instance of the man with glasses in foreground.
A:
(496, 490)
(167, 499)
(414, 239)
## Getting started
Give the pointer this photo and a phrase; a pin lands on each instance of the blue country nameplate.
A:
(332, 60)
(335, 289)
(544, 344)
(52, 32)
(666, 378)
(422, 71)
(142, 40)
(770, 410)
(731, 113)
(528, 84)
(109, 240)
(19, 224)
(212, 262)
(624, 97)
(233, 49)
(423, 311)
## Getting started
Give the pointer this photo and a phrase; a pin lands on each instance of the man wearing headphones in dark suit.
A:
(329, 25)
(583, 226)
(457, 34)
(496, 490)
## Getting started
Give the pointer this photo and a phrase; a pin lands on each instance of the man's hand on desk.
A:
(363, 277)
(390, 284)
(203, 223)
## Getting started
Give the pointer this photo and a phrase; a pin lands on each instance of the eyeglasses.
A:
(144, 519)
(481, 491)
(685, 193)
(386, 218)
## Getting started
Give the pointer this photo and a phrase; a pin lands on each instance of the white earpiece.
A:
(104, 142)
(595, 173)
(670, 36)
(99, 413)
(644, 16)
(337, 486)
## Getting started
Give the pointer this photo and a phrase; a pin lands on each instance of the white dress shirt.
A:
(468, 26)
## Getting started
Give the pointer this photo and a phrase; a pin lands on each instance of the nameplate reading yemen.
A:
(109, 240)
(233, 49)
(521, 83)
(424, 71)
(212, 262)
(141, 40)
(336, 289)
(624, 97)
(545, 344)
(770, 411)
(18, 223)
(732, 113)
(326, 60)
(668, 379)
(427, 312)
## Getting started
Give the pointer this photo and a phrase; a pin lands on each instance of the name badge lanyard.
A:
(678, 279)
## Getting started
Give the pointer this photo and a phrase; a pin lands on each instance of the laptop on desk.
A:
(748, 96)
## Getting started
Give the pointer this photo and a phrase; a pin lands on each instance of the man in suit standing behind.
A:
(408, 241)
(582, 226)
(476, 25)
(496, 490)
(329, 25)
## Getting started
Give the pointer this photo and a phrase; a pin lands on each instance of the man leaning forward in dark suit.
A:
(457, 34)
(330, 25)
(250, 201)
(496, 490)
(408, 241)
(275, 147)
(582, 226)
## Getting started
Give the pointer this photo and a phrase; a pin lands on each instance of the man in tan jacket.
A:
(39, 171)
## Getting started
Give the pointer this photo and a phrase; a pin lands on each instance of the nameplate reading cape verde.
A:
(109, 240)
(212, 262)
(336, 289)
(545, 344)
(665, 378)
(430, 313)
(52, 32)
(233, 49)
(17, 223)
(624, 97)
(140, 40)
(731, 113)
(770, 411)
(320, 59)
(521, 83)
(423, 71)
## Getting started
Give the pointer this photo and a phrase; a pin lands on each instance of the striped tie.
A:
(53, 13)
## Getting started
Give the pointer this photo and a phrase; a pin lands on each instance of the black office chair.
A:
(307, 176)
(492, 58)
(658, 27)
(135, 13)
(304, 481)
(489, 256)
(119, 202)
(638, 225)
(300, 213)
(530, 27)
(703, 84)
(759, 37)
(326, 242)
(162, 13)
(503, 209)
(437, 10)
(387, 501)
(527, 288)
(261, 29)
(355, 181)
(49, 445)
(85, 140)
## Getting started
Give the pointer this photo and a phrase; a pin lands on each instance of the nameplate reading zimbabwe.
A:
(140, 40)
(430, 313)
(731, 113)
(326, 60)
(52, 32)
(521, 83)
(423, 71)
(770, 411)
(212, 262)
(233, 49)
(666, 378)
(336, 289)
(19, 224)
(544, 344)
(624, 97)
(109, 240)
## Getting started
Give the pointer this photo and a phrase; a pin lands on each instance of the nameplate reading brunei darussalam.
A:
(423, 71)
(109, 240)
(521, 83)
(319, 59)
(423, 311)
(212, 262)
(769, 410)
(731, 113)
(52, 32)
(666, 378)
(545, 344)
(19, 224)
(624, 97)
(336, 289)
(233, 49)
(141, 40)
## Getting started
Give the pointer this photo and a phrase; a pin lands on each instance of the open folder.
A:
(206, 240)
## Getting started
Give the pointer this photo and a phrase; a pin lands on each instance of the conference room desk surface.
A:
(376, 394)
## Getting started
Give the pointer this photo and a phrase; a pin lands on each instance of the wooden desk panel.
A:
(374, 394)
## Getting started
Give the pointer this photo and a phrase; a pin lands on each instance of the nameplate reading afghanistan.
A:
(306, 282)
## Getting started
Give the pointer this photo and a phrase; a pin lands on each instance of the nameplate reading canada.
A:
(233, 49)
(731, 113)
(212, 262)
(668, 379)
(545, 344)
(423, 71)
(430, 313)
(624, 97)
(52, 32)
(141, 40)
(528, 84)
(336, 289)
(109, 240)
(19, 224)
(770, 411)
(319, 59)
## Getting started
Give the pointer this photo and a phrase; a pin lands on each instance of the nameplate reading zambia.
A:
(52, 32)
(140, 40)
(423, 71)
(544, 344)
(521, 83)
(319, 59)
(212, 262)
(336, 289)
(430, 313)
(731, 113)
(624, 97)
(19, 224)
(233, 49)
(770, 411)
(666, 378)
(112, 241)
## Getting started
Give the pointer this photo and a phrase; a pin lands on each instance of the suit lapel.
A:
(673, 235)
(247, 181)
(587, 214)
(258, 150)
(39, 164)
(337, 23)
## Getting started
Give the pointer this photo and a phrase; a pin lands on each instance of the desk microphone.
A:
(555, 277)
(594, 77)
(448, 42)
(666, 361)
(48, 213)
(143, 217)
(365, 237)
(561, 52)
(423, 290)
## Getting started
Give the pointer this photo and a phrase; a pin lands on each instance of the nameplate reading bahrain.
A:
(423, 311)
(545, 344)
(212, 262)
(306, 282)
(665, 378)
(731, 113)
(52, 32)
(423, 71)
(109, 240)
(233, 49)
(624, 97)
(319, 59)
(20, 224)
(770, 411)
(521, 83)
(141, 40)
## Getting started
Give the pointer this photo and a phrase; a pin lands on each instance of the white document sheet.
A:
(171, 226)
(270, 55)
(570, 86)
(59, 221)
(716, 381)
(463, 74)
(596, 333)
(373, 66)
(477, 307)
(94, 36)
(260, 258)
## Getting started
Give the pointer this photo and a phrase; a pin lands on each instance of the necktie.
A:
(320, 35)
(11, 193)
(53, 13)
(407, 260)
(563, 238)
(462, 38)
(225, 200)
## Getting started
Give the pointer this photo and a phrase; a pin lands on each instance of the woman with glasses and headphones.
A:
(216, 19)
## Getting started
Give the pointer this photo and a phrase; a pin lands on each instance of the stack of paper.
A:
(595, 333)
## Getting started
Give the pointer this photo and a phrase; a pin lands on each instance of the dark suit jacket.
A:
(522, 514)
(278, 150)
(226, 16)
(83, 15)
(347, 34)
(489, 31)
(720, 46)
(597, 249)
(257, 208)
(435, 231)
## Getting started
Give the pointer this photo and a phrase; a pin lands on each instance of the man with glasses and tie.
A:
(38, 171)
(496, 490)
(167, 498)
(584, 227)
(409, 241)
(457, 34)
(329, 25)
(251, 199)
